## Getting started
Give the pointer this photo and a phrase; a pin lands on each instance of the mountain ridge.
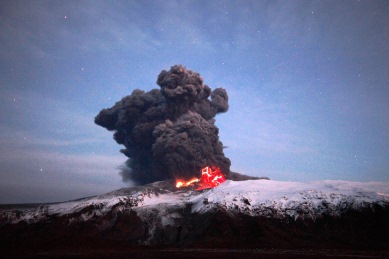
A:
(252, 213)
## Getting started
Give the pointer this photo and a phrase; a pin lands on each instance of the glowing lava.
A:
(181, 183)
(210, 178)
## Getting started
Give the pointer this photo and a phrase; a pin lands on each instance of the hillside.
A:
(253, 214)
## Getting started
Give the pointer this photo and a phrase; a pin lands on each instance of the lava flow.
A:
(210, 178)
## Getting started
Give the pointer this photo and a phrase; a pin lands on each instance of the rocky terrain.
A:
(251, 216)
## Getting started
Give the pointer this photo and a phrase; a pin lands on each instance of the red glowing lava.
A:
(210, 178)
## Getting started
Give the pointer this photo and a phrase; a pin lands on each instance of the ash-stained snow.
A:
(162, 203)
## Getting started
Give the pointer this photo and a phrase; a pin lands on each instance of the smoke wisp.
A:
(169, 133)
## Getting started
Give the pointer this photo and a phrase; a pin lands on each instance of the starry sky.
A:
(308, 84)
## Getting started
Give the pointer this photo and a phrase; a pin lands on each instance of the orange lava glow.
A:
(210, 178)
(183, 183)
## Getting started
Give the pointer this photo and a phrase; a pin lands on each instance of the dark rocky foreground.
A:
(217, 232)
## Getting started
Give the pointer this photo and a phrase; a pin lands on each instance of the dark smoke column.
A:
(169, 133)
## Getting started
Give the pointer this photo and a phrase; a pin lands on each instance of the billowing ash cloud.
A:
(169, 133)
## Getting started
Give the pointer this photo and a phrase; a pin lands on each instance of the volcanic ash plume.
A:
(169, 133)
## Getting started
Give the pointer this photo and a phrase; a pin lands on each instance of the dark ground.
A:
(223, 238)
(146, 253)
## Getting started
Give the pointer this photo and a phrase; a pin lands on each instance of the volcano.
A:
(246, 216)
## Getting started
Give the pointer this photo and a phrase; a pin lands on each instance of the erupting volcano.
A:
(170, 133)
(210, 178)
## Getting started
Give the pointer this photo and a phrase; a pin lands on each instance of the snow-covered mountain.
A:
(244, 212)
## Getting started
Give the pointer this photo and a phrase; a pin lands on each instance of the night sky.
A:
(308, 85)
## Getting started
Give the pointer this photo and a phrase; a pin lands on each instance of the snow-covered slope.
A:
(296, 199)
(255, 213)
(254, 197)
